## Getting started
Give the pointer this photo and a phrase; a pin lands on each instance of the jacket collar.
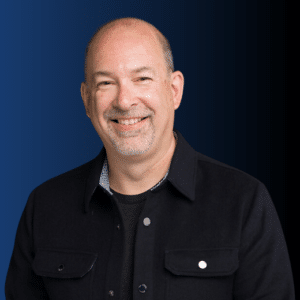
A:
(181, 174)
(183, 168)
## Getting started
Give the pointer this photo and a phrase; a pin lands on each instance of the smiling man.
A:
(130, 95)
(149, 217)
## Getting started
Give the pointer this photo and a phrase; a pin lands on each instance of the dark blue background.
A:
(231, 53)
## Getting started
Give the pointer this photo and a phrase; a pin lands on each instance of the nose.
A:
(126, 97)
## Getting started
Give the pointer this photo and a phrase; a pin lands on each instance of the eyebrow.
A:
(135, 71)
(142, 69)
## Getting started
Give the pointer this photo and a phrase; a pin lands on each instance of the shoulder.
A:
(218, 168)
(73, 180)
(230, 195)
(225, 180)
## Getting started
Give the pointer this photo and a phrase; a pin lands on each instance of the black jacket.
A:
(214, 235)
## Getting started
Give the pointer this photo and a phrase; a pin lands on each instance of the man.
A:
(149, 217)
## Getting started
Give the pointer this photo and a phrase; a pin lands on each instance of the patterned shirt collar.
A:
(104, 179)
(181, 174)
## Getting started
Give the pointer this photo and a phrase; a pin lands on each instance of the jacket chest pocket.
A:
(205, 274)
(66, 274)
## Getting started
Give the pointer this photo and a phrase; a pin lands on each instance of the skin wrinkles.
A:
(108, 73)
(128, 78)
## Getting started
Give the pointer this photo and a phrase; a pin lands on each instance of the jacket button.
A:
(111, 293)
(60, 268)
(142, 288)
(146, 221)
(202, 264)
(119, 226)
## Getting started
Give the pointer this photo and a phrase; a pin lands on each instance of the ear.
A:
(177, 83)
(85, 97)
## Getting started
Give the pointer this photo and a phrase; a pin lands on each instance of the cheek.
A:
(155, 96)
(100, 104)
(166, 101)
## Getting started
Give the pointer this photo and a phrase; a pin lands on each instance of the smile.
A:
(128, 121)
(129, 124)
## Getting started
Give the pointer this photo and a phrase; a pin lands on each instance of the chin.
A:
(130, 148)
(131, 152)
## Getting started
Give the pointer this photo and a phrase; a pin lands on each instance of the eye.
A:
(104, 84)
(143, 79)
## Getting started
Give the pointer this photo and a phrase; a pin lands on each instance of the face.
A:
(130, 96)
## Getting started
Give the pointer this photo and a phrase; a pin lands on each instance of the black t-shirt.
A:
(130, 207)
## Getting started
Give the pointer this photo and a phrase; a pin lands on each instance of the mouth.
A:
(129, 121)
(130, 125)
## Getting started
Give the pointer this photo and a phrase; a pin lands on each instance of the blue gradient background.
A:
(230, 52)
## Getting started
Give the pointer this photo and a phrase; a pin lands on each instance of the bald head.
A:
(136, 25)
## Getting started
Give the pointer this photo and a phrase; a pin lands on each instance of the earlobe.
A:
(177, 88)
(85, 97)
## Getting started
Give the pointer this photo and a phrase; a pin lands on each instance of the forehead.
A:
(125, 47)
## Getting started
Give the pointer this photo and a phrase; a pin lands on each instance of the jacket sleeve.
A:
(21, 282)
(264, 266)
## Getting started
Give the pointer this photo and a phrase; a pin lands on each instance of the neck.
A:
(131, 177)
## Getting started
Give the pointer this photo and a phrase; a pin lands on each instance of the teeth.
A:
(129, 122)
